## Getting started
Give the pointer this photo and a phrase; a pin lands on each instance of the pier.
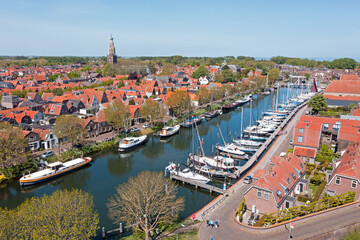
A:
(264, 147)
(198, 184)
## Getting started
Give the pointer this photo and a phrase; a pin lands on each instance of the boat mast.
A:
(201, 147)
(241, 123)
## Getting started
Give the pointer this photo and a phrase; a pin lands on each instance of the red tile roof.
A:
(343, 86)
(305, 152)
(349, 77)
(349, 163)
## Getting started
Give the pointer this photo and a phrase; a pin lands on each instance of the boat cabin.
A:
(55, 165)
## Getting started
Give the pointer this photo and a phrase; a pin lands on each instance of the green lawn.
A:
(313, 188)
(190, 235)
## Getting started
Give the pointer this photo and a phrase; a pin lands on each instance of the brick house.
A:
(33, 140)
(277, 188)
(346, 174)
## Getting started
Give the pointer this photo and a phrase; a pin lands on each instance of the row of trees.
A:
(341, 63)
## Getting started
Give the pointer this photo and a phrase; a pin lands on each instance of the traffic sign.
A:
(292, 225)
(193, 217)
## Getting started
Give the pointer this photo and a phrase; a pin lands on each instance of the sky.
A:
(258, 28)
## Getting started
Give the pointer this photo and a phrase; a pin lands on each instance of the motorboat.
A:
(173, 169)
(229, 106)
(211, 172)
(129, 143)
(189, 123)
(169, 131)
(244, 100)
(53, 170)
(212, 114)
(231, 150)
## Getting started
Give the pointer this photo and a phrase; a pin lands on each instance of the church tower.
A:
(111, 57)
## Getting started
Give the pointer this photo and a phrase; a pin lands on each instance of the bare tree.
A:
(145, 200)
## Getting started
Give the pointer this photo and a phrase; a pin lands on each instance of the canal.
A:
(110, 168)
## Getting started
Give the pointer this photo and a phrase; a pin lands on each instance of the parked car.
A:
(247, 180)
(78, 145)
(125, 131)
(135, 129)
(47, 154)
(146, 125)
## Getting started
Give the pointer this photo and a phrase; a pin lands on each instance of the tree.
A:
(98, 70)
(204, 96)
(219, 78)
(117, 114)
(152, 109)
(131, 102)
(343, 63)
(218, 93)
(228, 75)
(58, 91)
(106, 69)
(145, 200)
(120, 84)
(86, 68)
(20, 94)
(201, 71)
(167, 69)
(317, 103)
(152, 67)
(69, 127)
(307, 75)
(73, 75)
(62, 215)
(12, 146)
(273, 75)
(179, 101)
(279, 59)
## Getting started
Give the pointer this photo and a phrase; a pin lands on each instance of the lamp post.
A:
(290, 223)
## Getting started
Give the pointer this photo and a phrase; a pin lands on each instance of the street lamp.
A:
(290, 222)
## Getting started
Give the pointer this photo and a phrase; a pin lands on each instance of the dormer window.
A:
(326, 126)
(278, 193)
(288, 180)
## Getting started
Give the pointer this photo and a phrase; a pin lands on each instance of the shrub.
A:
(319, 191)
(304, 199)
(260, 222)
(241, 208)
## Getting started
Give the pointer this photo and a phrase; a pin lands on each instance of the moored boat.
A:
(129, 143)
(54, 170)
(169, 131)
(186, 173)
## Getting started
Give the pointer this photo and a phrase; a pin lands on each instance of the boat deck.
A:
(198, 184)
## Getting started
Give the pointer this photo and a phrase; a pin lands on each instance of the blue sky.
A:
(189, 28)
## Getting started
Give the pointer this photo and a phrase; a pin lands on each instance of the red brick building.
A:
(277, 188)
(346, 174)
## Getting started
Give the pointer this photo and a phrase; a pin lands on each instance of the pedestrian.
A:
(207, 222)
(211, 238)
(212, 223)
(217, 223)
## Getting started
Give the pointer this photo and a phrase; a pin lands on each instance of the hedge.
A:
(320, 190)
(319, 205)
(304, 199)
(260, 222)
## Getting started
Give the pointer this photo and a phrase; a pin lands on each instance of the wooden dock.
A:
(264, 147)
(198, 184)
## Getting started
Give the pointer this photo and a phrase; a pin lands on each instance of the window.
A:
(259, 193)
(337, 125)
(326, 126)
(287, 204)
(337, 181)
(301, 130)
(353, 184)
(300, 139)
(266, 195)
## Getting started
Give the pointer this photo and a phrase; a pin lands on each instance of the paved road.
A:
(224, 211)
(308, 228)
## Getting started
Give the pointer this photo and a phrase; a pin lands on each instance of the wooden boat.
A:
(54, 170)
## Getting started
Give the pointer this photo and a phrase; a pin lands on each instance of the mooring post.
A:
(121, 228)
(103, 232)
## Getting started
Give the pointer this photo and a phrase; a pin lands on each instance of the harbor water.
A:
(111, 168)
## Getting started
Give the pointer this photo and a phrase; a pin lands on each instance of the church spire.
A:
(111, 57)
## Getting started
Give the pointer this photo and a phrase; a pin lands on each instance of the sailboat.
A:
(231, 150)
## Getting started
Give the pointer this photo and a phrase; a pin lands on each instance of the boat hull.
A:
(47, 178)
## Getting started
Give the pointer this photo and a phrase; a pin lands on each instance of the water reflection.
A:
(182, 142)
(153, 149)
(119, 165)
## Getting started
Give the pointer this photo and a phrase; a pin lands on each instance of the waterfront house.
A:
(346, 174)
(33, 140)
(48, 139)
(277, 188)
(343, 92)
